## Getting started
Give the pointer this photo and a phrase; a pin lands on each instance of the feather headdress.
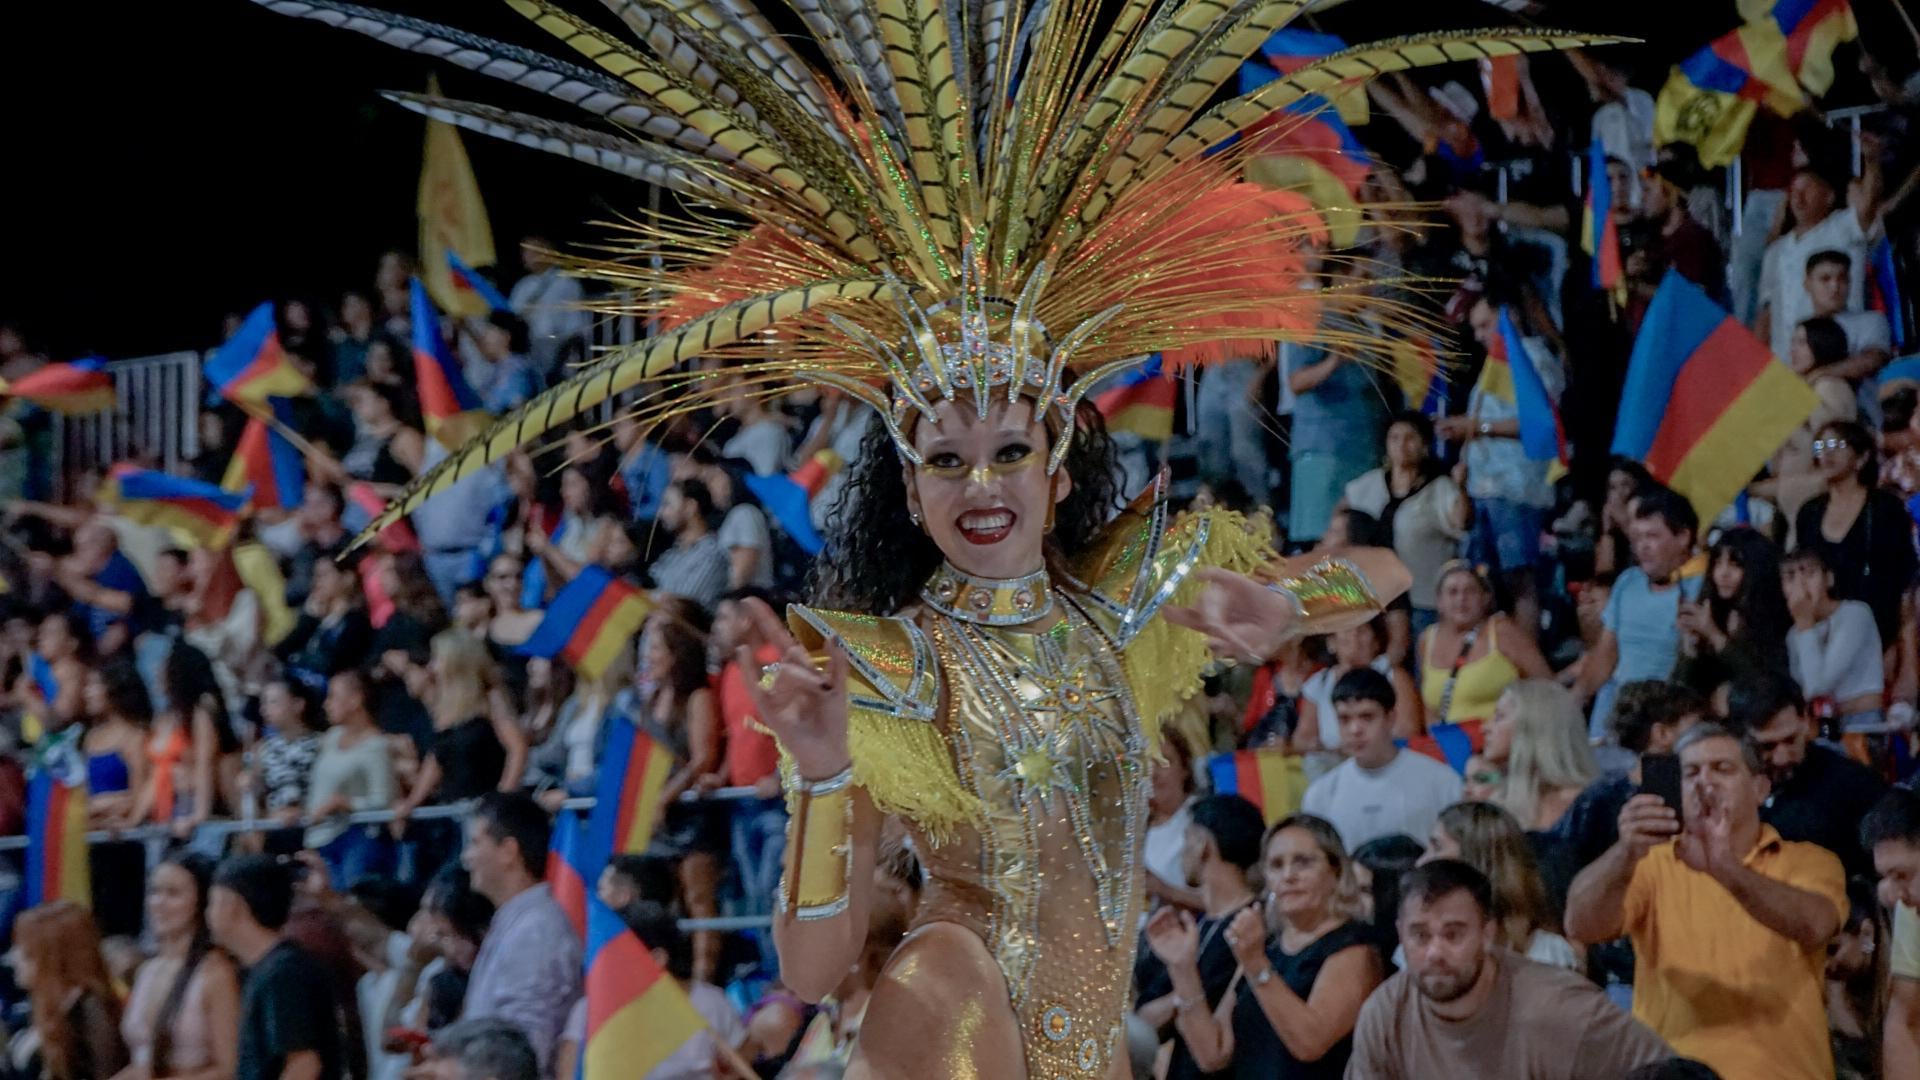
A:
(971, 196)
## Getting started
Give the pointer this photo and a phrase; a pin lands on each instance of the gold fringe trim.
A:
(906, 767)
(1166, 663)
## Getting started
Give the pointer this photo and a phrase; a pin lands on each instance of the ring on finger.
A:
(768, 674)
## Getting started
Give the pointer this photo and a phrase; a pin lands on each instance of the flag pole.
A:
(1906, 18)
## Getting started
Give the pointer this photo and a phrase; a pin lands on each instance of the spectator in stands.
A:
(1380, 789)
(1729, 922)
(1357, 648)
(1869, 337)
(478, 1050)
(308, 535)
(1378, 866)
(64, 648)
(477, 746)
(351, 337)
(352, 771)
(1229, 442)
(1338, 417)
(680, 712)
(119, 712)
(1816, 226)
(1891, 832)
(1613, 551)
(1473, 653)
(1537, 740)
(1305, 964)
(75, 1012)
(1169, 810)
(1623, 119)
(1487, 838)
(631, 878)
(752, 759)
(289, 1024)
(103, 584)
(528, 969)
(1815, 793)
(1834, 649)
(1741, 619)
(590, 514)
(183, 1014)
(762, 439)
(445, 940)
(1424, 512)
(517, 592)
(1861, 530)
(1464, 1008)
(567, 764)
(1222, 846)
(1689, 246)
(549, 300)
(696, 566)
(743, 533)
(645, 468)
(280, 763)
(387, 445)
(1642, 638)
(333, 633)
(1509, 490)
(503, 377)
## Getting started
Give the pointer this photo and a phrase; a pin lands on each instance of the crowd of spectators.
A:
(1553, 907)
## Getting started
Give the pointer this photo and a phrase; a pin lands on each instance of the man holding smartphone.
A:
(1729, 922)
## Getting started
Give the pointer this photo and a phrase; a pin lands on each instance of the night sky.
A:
(169, 162)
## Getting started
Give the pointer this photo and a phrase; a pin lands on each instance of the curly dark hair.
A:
(876, 559)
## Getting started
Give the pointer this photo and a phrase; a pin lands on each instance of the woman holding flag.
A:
(1001, 212)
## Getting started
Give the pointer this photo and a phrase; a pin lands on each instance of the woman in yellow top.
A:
(1470, 657)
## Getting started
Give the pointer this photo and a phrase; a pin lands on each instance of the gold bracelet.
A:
(819, 866)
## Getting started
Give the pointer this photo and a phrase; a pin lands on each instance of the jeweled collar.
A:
(988, 601)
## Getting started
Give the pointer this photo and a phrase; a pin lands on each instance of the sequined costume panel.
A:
(1043, 730)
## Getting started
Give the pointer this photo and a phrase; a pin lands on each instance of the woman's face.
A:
(1834, 457)
(93, 694)
(576, 492)
(1405, 450)
(1463, 600)
(522, 480)
(55, 640)
(1728, 575)
(1299, 875)
(1800, 354)
(982, 492)
(1169, 782)
(1620, 487)
(1498, 746)
(503, 582)
(173, 899)
(326, 581)
(381, 365)
(1355, 646)
(276, 707)
(1440, 845)
(656, 659)
(471, 612)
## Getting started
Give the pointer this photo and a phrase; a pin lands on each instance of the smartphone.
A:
(1660, 775)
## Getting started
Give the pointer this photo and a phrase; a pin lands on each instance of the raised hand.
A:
(1247, 937)
(804, 707)
(1174, 937)
(1646, 822)
(1241, 618)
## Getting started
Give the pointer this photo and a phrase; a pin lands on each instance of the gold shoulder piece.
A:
(1141, 564)
(900, 753)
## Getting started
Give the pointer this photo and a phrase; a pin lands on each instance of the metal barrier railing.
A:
(156, 415)
(156, 838)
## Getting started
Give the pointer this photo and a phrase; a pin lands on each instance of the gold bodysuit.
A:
(1020, 761)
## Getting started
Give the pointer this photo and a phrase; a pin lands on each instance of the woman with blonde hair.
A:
(477, 747)
(1306, 964)
(1488, 838)
(76, 1015)
(1537, 740)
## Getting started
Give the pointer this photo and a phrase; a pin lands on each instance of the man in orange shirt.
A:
(752, 759)
(1729, 922)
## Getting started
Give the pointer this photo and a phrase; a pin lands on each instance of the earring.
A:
(1047, 529)
(915, 515)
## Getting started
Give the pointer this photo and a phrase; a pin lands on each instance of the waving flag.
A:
(201, 510)
(1419, 373)
(789, 499)
(637, 1015)
(1884, 296)
(1449, 744)
(589, 622)
(634, 769)
(1290, 50)
(57, 866)
(467, 279)
(252, 367)
(451, 408)
(1599, 233)
(1273, 780)
(1541, 433)
(80, 388)
(1812, 29)
(1706, 403)
(1139, 400)
(1710, 97)
(266, 463)
(453, 218)
(1306, 147)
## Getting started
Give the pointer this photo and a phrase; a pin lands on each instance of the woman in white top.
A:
(566, 763)
(1487, 837)
(1169, 811)
(1834, 648)
(1424, 511)
(1360, 646)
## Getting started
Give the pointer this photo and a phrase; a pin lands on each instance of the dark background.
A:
(167, 163)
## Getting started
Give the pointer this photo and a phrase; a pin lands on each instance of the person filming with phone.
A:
(1729, 922)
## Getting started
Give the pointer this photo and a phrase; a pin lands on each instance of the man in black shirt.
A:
(1819, 795)
(289, 1027)
(1223, 844)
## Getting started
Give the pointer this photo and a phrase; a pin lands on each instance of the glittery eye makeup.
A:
(1009, 460)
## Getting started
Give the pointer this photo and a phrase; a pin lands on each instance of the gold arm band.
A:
(819, 870)
(1329, 595)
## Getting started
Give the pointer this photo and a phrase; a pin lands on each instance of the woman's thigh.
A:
(939, 1012)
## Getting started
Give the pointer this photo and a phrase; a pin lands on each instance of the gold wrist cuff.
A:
(1328, 595)
(819, 864)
